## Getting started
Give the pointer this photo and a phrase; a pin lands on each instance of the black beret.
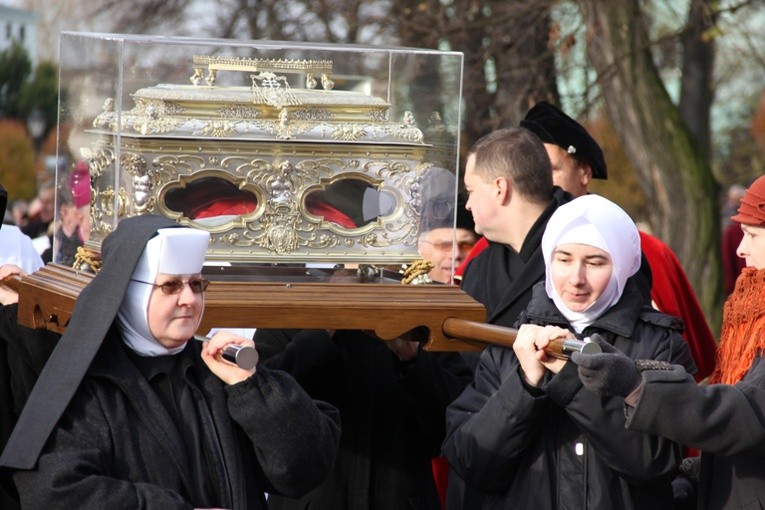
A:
(550, 124)
(464, 217)
(439, 213)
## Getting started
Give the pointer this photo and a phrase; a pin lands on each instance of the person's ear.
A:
(502, 189)
(586, 174)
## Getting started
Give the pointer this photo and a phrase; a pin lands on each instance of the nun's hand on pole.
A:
(214, 354)
(529, 348)
(542, 341)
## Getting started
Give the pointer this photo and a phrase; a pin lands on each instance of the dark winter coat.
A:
(392, 414)
(725, 422)
(23, 353)
(561, 446)
(117, 446)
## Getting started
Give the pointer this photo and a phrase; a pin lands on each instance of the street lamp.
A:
(36, 127)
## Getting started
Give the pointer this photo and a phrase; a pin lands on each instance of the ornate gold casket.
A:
(284, 153)
(292, 156)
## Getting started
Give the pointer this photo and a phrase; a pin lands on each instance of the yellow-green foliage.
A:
(17, 160)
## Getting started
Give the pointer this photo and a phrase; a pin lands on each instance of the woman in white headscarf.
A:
(130, 412)
(526, 432)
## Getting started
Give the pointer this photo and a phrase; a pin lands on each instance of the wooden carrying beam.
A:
(47, 297)
(441, 316)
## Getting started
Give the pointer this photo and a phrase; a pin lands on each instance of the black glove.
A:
(609, 372)
(685, 484)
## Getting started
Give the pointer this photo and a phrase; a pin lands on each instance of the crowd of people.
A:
(43, 229)
(126, 408)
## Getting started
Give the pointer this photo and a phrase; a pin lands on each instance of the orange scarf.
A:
(743, 330)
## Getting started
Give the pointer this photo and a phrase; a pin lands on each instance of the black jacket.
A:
(561, 446)
(117, 445)
(393, 415)
(23, 353)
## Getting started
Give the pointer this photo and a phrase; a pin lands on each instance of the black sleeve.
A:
(26, 352)
(272, 342)
(311, 356)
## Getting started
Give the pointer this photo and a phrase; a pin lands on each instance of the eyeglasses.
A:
(197, 285)
(447, 245)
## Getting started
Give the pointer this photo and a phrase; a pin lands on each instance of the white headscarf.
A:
(594, 221)
(176, 251)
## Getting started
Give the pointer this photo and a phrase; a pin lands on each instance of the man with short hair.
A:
(511, 196)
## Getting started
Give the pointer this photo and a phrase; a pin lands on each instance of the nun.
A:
(130, 412)
(526, 432)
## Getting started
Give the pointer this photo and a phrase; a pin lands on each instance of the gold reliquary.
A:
(314, 167)
(284, 153)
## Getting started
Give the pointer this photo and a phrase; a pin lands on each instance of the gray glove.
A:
(609, 372)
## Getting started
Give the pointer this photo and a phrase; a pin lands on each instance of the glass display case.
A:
(314, 167)
(286, 153)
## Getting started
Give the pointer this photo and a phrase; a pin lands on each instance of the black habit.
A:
(102, 426)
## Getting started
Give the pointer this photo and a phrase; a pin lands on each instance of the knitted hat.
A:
(553, 126)
(752, 208)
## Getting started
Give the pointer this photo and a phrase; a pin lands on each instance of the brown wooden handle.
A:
(472, 331)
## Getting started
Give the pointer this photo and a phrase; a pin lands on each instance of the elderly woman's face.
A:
(174, 317)
(580, 274)
(752, 246)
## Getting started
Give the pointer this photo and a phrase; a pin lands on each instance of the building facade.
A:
(21, 26)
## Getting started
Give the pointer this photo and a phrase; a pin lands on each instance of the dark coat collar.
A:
(531, 252)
